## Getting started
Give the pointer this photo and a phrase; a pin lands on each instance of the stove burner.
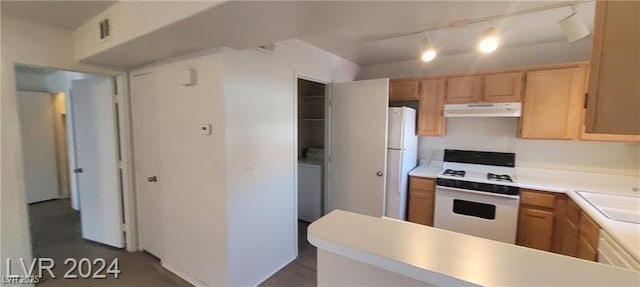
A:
(499, 177)
(455, 173)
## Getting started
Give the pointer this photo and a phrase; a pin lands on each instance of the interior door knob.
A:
(152, 179)
(77, 170)
(379, 173)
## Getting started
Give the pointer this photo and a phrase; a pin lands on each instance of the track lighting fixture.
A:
(489, 41)
(427, 51)
(573, 27)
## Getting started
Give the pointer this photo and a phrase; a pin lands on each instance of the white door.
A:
(358, 146)
(145, 142)
(38, 145)
(94, 120)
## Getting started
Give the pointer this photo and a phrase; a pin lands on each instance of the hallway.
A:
(56, 234)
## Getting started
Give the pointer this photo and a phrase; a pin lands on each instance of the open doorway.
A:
(312, 123)
(72, 180)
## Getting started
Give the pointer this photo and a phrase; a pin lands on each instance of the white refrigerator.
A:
(402, 157)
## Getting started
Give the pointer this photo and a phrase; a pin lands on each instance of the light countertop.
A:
(625, 233)
(427, 170)
(446, 258)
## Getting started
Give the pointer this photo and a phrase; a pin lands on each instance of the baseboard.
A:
(185, 276)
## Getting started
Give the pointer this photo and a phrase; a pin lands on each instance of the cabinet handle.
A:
(586, 100)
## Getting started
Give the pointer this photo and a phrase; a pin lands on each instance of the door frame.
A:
(327, 132)
(123, 117)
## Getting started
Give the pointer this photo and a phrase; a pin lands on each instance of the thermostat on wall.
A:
(188, 77)
(205, 129)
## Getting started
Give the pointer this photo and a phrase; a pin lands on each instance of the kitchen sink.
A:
(617, 207)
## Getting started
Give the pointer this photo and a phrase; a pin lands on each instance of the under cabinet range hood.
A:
(483, 110)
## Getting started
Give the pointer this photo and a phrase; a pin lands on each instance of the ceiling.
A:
(61, 14)
(344, 28)
(353, 41)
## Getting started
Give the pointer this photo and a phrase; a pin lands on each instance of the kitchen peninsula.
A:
(355, 249)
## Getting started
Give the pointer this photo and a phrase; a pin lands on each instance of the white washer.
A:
(309, 190)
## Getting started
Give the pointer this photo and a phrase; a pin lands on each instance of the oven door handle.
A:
(514, 197)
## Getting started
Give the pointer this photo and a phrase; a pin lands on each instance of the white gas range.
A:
(477, 194)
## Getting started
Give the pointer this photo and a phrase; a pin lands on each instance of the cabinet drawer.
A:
(589, 229)
(421, 183)
(537, 198)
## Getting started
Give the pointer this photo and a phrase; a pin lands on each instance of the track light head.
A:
(489, 41)
(427, 51)
(574, 28)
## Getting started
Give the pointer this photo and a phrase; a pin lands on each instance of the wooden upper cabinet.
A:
(553, 103)
(503, 88)
(613, 105)
(404, 90)
(466, 89)
(431, 108)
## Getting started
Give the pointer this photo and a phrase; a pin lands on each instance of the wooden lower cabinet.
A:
(536, 219)
(568, 238)
(553, 222)
(535, 228)
(586, 250)
(421, 200)
(579, 234)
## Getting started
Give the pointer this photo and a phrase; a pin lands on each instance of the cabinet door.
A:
(421, 207)
(552, 104)
(613, 105)
(569, 238)
(585, 250)
(535, 228)
(503, 88)
(431, 120)
(404, 90)
(461, 90)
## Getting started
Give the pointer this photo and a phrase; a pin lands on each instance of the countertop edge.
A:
(388, 264)
(339, 230)
(603, 222)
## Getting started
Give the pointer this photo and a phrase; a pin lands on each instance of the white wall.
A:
(313, 63)
(261, 158)
(31, 82)
(38, 45)
(127, 24)
(191, 170)
(238, 185)
(36, 113)
(499, 134)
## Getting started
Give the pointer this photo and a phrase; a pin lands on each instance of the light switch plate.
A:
(205, 129)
